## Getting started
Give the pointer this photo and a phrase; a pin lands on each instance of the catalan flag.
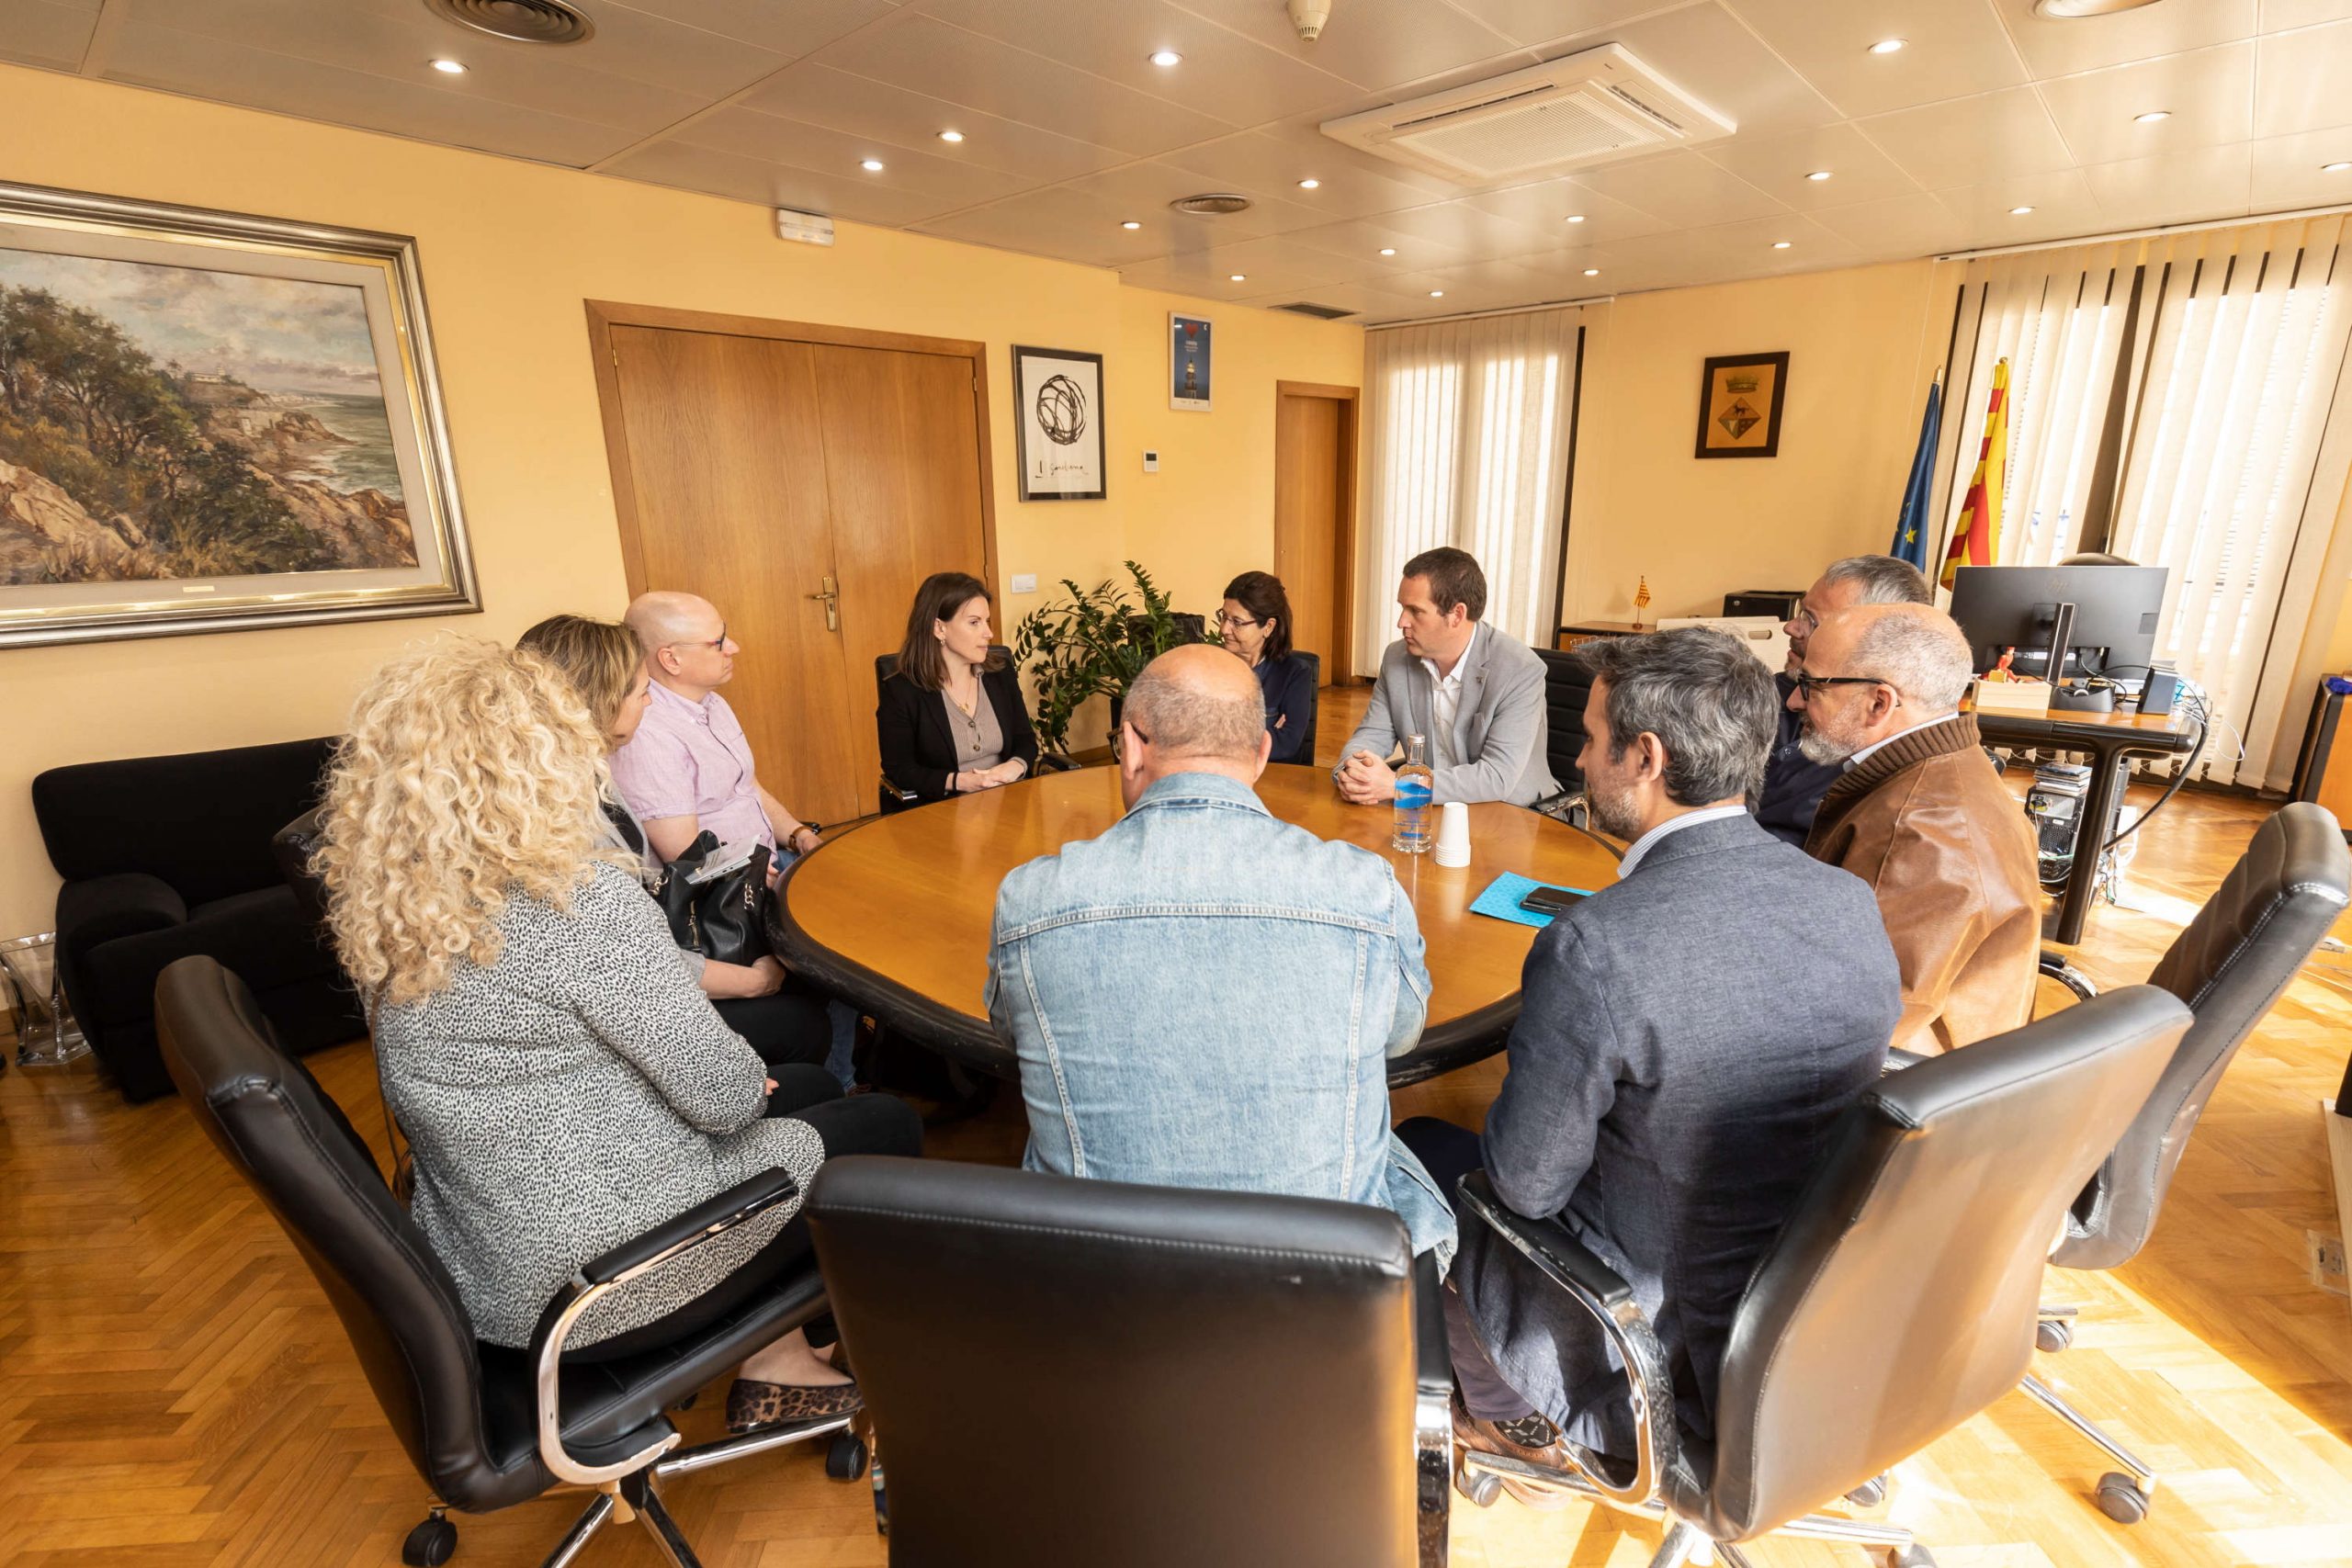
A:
(1977, 540)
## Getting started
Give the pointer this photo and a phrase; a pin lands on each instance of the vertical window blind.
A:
(1467, 428)
(2169, 398)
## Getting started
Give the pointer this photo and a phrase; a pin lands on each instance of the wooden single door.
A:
(1315, 461)
(760, 471)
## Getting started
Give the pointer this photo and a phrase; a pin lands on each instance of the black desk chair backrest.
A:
(2229, 966)
(294, 1147)
(293, 845)
(1072, 1372)
(1900, 1298)
(1568, 687)
(1314, 662)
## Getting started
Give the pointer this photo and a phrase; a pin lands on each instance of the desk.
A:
(896, 913)
(2106, 739)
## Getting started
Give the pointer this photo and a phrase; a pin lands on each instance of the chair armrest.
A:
(1602, 1292)
(100, 908)
(904, 796)
(708, 1220)
(1898, 1059)
(2054, 966)
(1432, 1415)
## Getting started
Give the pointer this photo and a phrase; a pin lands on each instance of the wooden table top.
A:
(897, 912)
(2123, 730)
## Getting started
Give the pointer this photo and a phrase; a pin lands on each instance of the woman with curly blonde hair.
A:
(563, 1084)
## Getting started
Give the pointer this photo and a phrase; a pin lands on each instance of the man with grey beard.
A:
(1686, 1037)
(1921, 814)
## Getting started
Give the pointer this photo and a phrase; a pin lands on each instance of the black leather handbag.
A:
(725, 917)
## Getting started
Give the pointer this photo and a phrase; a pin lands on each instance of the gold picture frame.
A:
(215, 422)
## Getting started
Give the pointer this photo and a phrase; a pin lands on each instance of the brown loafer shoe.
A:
(1485, 1438)
(751, 1406)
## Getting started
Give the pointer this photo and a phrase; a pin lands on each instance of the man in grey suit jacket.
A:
(1476, 693)
(1686, 1038)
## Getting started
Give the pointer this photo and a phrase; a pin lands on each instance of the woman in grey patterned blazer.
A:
(563, 1083)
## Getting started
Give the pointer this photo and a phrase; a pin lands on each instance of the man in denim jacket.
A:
(1204, 996)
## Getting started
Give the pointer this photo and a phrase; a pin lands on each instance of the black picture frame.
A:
(1716, 440)
(1058, 390)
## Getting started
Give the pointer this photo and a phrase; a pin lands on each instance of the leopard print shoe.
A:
(751, 1406)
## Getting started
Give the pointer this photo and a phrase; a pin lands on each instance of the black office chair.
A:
(1068, 1372)
(486, 1426)
(1898, 1300)
(1314, 662)
(892, 799)
(1568, 687)
(2230, 966)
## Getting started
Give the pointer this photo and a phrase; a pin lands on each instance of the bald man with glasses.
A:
(1919, 812)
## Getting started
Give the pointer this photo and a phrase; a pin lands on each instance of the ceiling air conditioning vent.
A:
(1320, 312)
(1213, 203)
(1598, 106)
(524, 21)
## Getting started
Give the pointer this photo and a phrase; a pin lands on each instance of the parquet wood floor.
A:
(175, 1391)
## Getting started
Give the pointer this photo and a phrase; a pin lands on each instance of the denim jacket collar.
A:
(1199, 789)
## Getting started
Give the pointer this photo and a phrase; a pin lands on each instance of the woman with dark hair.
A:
(1254, 624)
(951, 719)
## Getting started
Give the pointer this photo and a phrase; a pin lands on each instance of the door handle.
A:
(832, 598)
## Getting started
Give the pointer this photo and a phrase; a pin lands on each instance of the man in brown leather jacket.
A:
(1921, 814)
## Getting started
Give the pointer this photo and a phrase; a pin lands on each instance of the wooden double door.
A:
(804, 479)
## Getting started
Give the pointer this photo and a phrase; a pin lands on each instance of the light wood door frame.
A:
(1343, 542)
(604, 315)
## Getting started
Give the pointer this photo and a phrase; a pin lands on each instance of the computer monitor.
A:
(2116, 609)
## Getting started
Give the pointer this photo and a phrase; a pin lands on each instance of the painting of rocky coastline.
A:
(173, 422)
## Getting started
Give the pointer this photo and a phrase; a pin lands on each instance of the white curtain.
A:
(2232, 365)
(1468, 426)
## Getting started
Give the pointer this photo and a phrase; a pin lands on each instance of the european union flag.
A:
(1911, 525)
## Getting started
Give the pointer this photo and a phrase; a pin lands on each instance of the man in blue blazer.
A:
(1686, 1038)
(1477, 693)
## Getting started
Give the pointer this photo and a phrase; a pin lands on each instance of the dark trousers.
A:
(866, 1125)
(1450, 1153)
(786, 1026)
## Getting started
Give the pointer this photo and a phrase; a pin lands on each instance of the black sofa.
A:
(167, 856)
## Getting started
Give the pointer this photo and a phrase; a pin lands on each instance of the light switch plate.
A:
(1024, 582)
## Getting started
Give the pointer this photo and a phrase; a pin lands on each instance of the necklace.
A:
(971, 713)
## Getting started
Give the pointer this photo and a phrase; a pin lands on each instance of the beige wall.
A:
(509, 250)
(1862, 344)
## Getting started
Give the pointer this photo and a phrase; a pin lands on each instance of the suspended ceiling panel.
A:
(1070, 131)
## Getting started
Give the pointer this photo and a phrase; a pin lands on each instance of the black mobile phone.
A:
(1549, 900)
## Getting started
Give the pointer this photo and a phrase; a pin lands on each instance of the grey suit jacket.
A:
(1682, 1050)
(1505, 724)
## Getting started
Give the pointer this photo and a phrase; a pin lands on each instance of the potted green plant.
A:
(1093, 643)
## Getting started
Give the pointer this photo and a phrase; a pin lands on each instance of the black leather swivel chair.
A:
(2230, 966)
(1314, 662)
(1568, 687)
(892, 799)
(1898, 1300)
(486, 1426)
(1068, 1372)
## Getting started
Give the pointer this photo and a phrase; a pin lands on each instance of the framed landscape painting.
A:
(210, 421)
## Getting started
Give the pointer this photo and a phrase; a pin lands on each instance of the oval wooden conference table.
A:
(896, 913)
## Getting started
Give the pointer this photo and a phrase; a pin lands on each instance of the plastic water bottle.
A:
(1413, 787)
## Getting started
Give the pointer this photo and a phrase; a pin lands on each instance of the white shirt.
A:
(1650, 840)
(1856, 760)
(1446, 705)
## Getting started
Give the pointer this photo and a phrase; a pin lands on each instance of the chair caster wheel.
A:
(2053, 1334)
(1480, 1486)
(1869, 1493)
(2121, 1499)
(430, 1544)
(1912, 1556)
(845, 1456)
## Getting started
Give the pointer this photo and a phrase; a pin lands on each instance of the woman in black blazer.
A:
(951, 719)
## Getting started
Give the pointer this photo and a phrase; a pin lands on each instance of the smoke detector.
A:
(1210, 203)
(524, 21)
(1598, 107)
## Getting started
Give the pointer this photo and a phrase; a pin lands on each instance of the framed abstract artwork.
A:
(213, 422)
(1740, 398)
(1190, 343)
(1057, 415)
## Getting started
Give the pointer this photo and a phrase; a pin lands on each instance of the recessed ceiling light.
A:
(453, 67)
(1388, 250)
(2069, 10)
(950, 136)
(2020, 211)
(1886, 46)
(1818, 174)
(1780, 244)
(1163, 58)
(1237, 278)
(2333, 168)
(1436, 293)
(1131, 223)
(2151, 117)
(1309, 184)
(871, 165)
(1592, 272)
(1576, 217)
